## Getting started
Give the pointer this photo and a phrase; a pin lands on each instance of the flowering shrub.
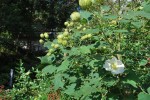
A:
(102, 54)
(104, 38)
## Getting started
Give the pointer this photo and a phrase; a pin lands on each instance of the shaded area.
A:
(21, 24)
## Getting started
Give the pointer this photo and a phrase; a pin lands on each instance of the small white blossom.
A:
(114, 65)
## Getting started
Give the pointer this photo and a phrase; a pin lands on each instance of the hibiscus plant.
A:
(102, 54)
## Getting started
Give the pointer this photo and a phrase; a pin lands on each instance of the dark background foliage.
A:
(21, 21)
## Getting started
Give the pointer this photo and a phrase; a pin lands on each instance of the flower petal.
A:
(107, 66)
(113, 60)
(119, 62)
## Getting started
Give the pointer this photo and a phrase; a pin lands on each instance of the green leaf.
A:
(57, 81)
(131, 82)
(137, 24)
(105, 8)
(70, 89)
(147, 8)
(92, 62)
(85, 14)
(120, 31)
(111, 17)
(91, 31)
(86, 89)
(51, 58)
(74, 51)
(72, 79)
(109, 82)
(64, 66)
(143, 96)
(148, 90)
(143, 14)
(130, 15)
(85, 50)
(143, 62)
(47, 44)
(49, 69)
(44, 60)
(124, 21)
(76, 34)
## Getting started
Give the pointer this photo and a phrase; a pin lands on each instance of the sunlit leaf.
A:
(137, 24)
(143, 96)
(147, 8)
(110, 17)
(143, 62)
(49, 69)
(45, 60)
(64, 65)
(85, 14)
(70, 89)
(47, 44)
(105, 8)
(131, 82)
(148, 90)
(91, 31)
(58, 83)
(121, 31)
(84, 50)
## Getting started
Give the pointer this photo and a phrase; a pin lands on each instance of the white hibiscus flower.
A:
(114, 65)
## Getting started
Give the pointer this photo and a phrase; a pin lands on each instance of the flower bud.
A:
(66, 23)
(85, 3)
(64, 42)
(84, 29)
(89, 35)
(65, 33)
(60, 41)
(60, 36)
(41, 41)
(56, 46)
(75, 16)
(46, 35)
(42, 35)
(51, 50)
(52, 44)
(71, 24)
(48, 54)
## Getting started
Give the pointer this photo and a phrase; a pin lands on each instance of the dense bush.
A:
(103, 53)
